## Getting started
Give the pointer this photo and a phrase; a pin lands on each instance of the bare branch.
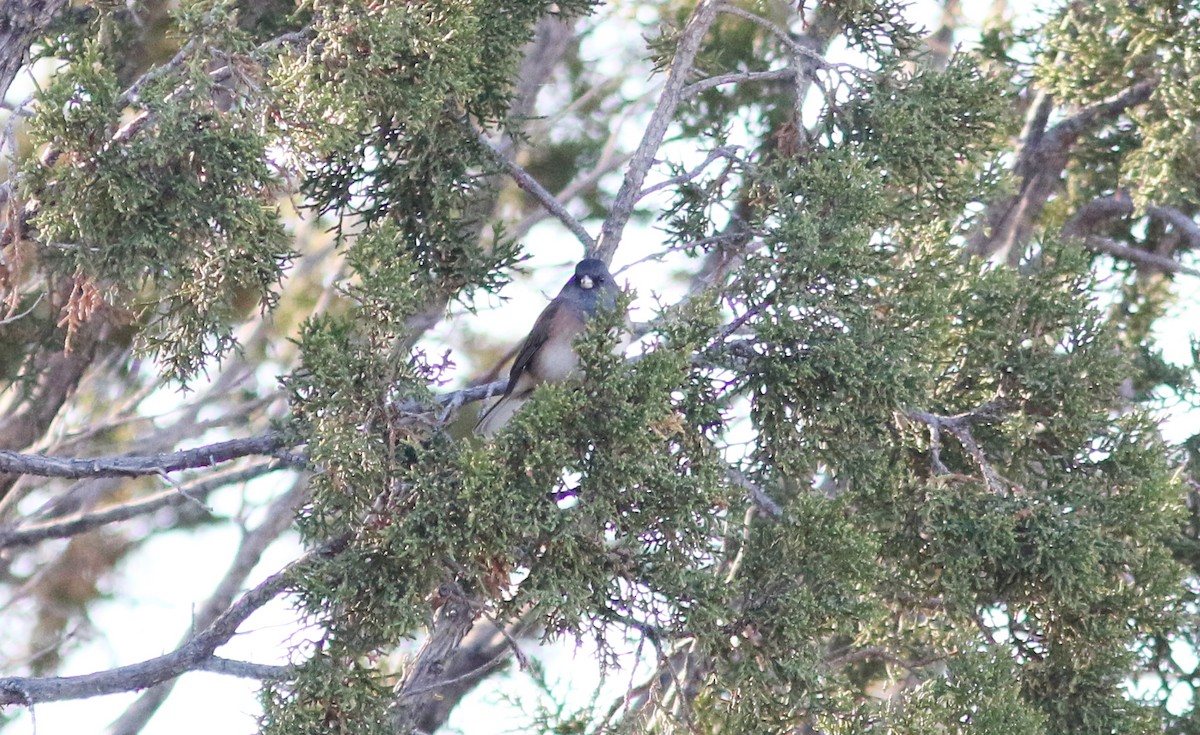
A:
(737, 77)
(85, 522)
(960, 426)
(1182, 223)
(244, 669)
(1120, 204)
(798, 49)
(268, 444)
(454, 620)
(1042, 158)
(278, 518)
(643, 158)
(609, 161)
(130, 95)
(1062, 135)
(134, 466)
(1125, 252)
(196, 653)
(1090, 215)
(24, 20)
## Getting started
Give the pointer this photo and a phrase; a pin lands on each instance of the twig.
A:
(533, 187)
(518, 654)
(609, 162)
(725, 151)
(782, 34)
(656, 129)
(738, 77)
(23, 314)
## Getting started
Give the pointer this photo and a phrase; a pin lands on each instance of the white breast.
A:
(557, 361)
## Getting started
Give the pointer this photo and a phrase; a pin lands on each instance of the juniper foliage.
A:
(892, 463)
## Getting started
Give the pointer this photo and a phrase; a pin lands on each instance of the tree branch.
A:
(244, 669)
(137, 466)
(533, 187)
(454, 620)
(1125, 252)
(1182, 223)
(656, 129)
(24, 21)
(726, 151)
(960, 426)
(1042, 158)
(737, 77)
(1090, 215)
(1062, 135)
(278, 519)
(82, 523)
(195, 654)
(757, 494)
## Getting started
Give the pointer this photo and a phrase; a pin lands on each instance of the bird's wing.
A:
(543, 328)
(498, 414)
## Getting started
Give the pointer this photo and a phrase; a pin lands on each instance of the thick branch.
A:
(656, 130)
(454, 621)
(24, 21)
(134, 466)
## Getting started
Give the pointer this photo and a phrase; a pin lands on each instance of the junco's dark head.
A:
(591, 287)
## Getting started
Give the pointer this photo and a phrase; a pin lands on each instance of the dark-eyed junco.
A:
(548, 353)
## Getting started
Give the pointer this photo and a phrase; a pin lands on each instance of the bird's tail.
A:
(497, 415)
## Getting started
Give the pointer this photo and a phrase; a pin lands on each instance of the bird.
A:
(548, 354)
